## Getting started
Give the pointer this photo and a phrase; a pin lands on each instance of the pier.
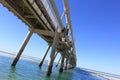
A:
(42, 17)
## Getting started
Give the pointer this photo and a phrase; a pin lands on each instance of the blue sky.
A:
(96, 26)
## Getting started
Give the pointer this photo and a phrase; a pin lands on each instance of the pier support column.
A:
(52, 55)
(58, 61)
(29, 34)
(46, 51)
(62, 64)
(66, 64)
(55, 54)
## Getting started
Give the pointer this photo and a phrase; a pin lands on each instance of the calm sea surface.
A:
(29, 70)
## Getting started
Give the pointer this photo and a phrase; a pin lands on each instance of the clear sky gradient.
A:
(96, 26)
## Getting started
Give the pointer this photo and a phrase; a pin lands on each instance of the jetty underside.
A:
(42, 18)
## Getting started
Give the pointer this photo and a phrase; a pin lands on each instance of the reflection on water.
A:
(29, 70)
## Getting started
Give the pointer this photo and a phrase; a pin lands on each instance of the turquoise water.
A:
(29, 70)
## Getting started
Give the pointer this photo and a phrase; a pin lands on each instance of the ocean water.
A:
(29, 70)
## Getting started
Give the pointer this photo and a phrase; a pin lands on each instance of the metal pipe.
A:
(57, 14)
(63, 14)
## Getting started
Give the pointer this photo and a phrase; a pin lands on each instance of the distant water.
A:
(29, 70)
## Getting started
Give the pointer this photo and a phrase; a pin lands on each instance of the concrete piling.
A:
(62, 64)
(58, 61)
(46, 51)
(53, 51)
(66, 63)
(29, 34)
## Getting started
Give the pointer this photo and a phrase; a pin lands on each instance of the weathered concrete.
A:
(54, 49)
(29, 34)
(42, 60)
(62, 64)
(48, 25)
(58, 61)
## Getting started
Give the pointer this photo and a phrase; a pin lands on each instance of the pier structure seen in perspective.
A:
(42, 18)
